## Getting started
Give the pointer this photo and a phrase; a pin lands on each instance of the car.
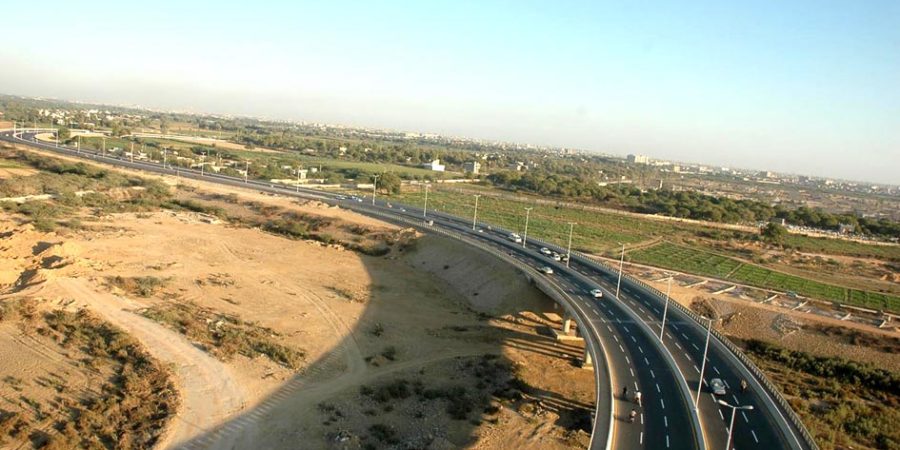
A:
(481, 230)
(596, 293)
(547, 270)
(717, 386)
(546, 251)
(564, 257)
(556, 256)
(402, 209)
(515, 238)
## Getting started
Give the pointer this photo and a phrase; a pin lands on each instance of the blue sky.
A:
(810, 87)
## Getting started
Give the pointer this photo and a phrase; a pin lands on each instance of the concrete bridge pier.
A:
(587, 362)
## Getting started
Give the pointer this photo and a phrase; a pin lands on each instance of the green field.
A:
(594, 232)
(700, 262)
(685, 259)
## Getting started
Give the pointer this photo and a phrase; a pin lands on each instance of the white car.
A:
(556, 256)
(546, 251)
(547, 270)
(515, 238)
(597, 293)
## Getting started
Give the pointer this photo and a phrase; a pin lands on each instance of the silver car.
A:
(547, 270)
(717, 386)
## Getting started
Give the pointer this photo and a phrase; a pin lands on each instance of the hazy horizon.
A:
(800, 87)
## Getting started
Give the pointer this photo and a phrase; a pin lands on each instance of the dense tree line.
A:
(690, 205)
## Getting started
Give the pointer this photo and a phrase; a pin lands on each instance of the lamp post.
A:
(425, 208)
(247, 172)
(734, 409)
(525, 236)
(621, 266)
(662, 327)
(374, 186)
(569, 248)
(703, 364)
(475, 214)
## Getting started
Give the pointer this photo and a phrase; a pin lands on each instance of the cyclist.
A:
(743, 385)
(637, 398)
(632, 415)
(625, 391)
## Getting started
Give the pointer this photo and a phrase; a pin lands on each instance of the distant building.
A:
(846, 228)
(638, 159)
(435, 166)
(472, 167)
(766, 174)
(517, 166)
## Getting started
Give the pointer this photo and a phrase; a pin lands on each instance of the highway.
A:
(621, 333)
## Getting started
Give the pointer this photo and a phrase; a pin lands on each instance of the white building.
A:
(435, 166)
(638, 159)
(472, 167)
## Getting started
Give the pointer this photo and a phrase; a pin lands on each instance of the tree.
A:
(774, 233)
(389, 182)
(63, 133)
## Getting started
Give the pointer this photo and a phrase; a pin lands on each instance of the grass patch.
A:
(225, 335)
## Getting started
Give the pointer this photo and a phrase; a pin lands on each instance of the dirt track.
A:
(209, 391)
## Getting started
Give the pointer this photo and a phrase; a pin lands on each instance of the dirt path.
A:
(209, 394)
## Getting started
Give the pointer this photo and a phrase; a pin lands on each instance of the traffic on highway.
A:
(663, 380)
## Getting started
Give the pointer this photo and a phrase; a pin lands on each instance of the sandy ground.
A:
(320, 299)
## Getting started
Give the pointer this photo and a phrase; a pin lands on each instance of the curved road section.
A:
(677, 408)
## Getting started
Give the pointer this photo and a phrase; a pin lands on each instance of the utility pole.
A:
(734, 409)
(164, 157)
(104, 146)
(202, 163)
(703, 364)
(662, 327)
(525, 235)
(569, 249)
(425, 209)
(298, 180)
(374, 186)
(247, 172)
(621, 266)
(132, 151)
(475, 214)
(78, 144)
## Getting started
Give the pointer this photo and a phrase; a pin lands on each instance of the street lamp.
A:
(621, 266)
(247, 172)
(374, 185)
(475, 214)
(662, 327)
(525, 236)
(425, 209)
(569, 249)
(731, 426)
(703, 364)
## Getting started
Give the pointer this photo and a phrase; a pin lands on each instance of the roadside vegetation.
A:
(602, 233)
(225, 335)
(130, 408)
(844, 404)
(145, 286)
